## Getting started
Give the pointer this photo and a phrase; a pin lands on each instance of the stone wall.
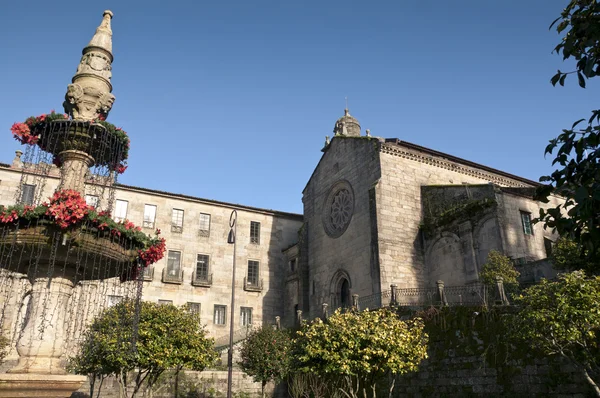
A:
(209, 383)
(351, 164)
(404, 170)
(278, 230)
(468, 357)
(516, 244)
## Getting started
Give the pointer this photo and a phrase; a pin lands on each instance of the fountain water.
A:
(59, 258)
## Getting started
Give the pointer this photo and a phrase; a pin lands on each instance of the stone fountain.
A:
(56, 252)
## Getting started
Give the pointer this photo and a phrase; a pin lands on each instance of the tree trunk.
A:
(591, 382)
(100, 386)
(392, 386)
(262, 390)
(92, 383)
(178, 369)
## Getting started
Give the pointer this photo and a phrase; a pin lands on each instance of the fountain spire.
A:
(89, 95)
(103, 37)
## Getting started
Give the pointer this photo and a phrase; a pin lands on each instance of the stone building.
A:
(376, 212)
(380, 211)
(197, 265)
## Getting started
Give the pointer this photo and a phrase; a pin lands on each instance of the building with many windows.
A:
(196, 268)
(377, 212)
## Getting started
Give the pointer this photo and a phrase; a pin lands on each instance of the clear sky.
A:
(232, 100)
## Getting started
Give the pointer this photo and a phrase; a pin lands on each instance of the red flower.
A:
(121, 168)
(153, 253)
(67, 207)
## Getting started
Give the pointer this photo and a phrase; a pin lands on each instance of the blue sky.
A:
(232, 100)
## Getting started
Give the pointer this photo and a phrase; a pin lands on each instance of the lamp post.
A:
(231, 240)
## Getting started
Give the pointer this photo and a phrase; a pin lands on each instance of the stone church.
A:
(377, 212)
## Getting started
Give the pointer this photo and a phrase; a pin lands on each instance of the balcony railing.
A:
(148, 273)
(253, 286)
(176, 228)
(172, 276)
(201, 280)
(148, 224)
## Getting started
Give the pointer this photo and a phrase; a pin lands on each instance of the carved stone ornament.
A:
(105, 103)
(73, 99)
(338, 209)
(95, 63)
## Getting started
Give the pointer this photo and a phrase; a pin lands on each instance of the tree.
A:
(566, 256)
(167, 337)
(578, 150)
(562, 318)
(500, 265)
(265, 355)
(361, 348)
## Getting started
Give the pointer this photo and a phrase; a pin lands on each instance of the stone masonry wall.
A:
(403, 172)
(209, 383)
(277, 231)
(516, 243)
(356, 161)
(469, 357)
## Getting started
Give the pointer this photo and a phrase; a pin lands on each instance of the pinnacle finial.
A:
(103, 36)
(89, 95)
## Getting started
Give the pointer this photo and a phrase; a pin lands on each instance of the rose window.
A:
(341, 209)
(338, 209)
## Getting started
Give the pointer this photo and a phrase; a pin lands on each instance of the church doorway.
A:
(340, 290)
(344, 293)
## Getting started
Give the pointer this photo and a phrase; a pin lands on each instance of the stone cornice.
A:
(397, 149)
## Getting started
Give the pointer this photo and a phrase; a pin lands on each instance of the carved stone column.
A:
(89, 95)
(42, 342)
(76, 165)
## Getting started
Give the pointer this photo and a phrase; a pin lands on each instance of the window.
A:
(202, 267)
(204, 224)
(173, 263)
(165, 302)
(148, 273)
(28, 194)
(246, 316)
(91, 200)
(253, 273)
(220, 311)
(149, 216)
(177, 221)
(194, 308)
(255, 232)
(293, 265)
(114, 300)
(526, 220)
(120, 210)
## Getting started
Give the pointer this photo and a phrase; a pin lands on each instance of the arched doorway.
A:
(344, 293)
(340, 290)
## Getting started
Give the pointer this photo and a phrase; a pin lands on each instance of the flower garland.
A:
(68, 209)
(29, 132)
(122, 139)
(22, 132)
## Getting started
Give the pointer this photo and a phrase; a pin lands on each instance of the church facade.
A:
(377, 212)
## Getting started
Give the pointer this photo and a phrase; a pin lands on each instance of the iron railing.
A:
(172, 276)
(202, 279)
